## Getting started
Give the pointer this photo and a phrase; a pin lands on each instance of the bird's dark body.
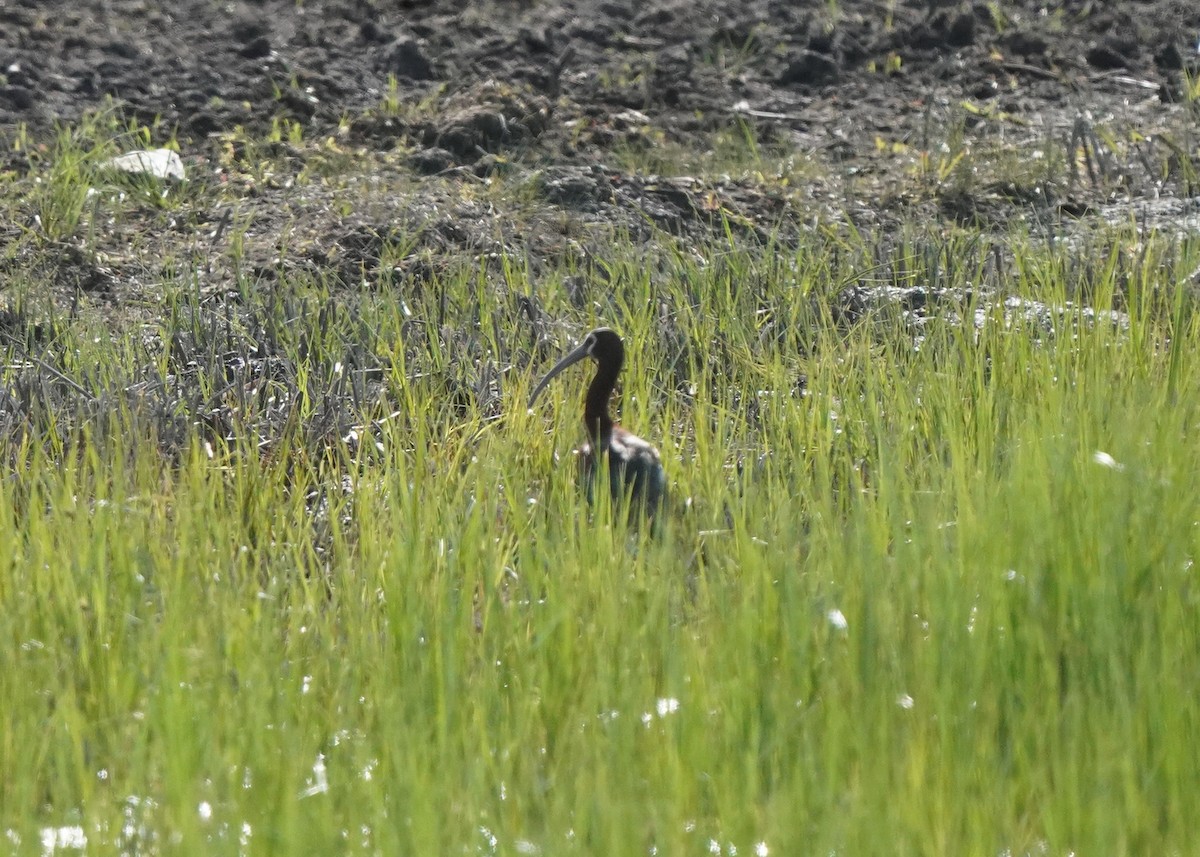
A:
(635, 472)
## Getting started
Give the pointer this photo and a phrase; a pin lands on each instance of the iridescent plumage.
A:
(634, 468)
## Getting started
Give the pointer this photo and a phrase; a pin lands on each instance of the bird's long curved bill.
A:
(571, 359)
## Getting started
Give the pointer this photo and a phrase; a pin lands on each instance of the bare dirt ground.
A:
(817, 74)
(565, 83)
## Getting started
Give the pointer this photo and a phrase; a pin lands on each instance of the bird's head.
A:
(602, 345)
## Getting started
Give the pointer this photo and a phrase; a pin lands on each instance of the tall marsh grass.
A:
(912, 595)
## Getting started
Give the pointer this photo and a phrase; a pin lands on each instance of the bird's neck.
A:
(595, 410)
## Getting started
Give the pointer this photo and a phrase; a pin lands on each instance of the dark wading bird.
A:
(634, 468)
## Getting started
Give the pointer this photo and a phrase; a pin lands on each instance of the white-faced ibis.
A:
(634, 469)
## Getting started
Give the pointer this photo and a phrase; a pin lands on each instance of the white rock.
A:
(160, 163)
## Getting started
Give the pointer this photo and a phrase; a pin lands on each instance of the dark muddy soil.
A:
(814, 74)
